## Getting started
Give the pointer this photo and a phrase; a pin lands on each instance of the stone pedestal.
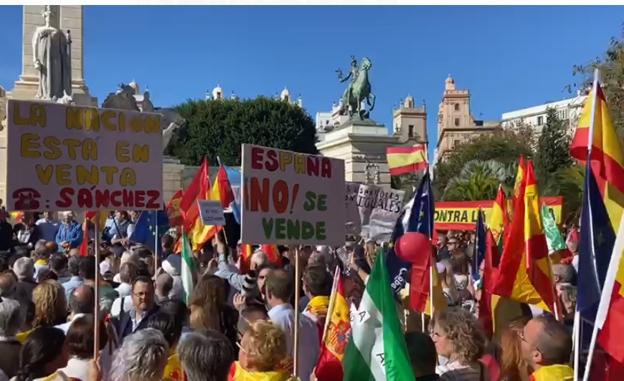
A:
(359, 143)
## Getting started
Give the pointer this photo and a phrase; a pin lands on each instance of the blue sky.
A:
(508, 57)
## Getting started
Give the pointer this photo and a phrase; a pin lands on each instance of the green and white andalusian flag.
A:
(188, 268)
(377, 350)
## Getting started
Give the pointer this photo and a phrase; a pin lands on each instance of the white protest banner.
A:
(379, 209)
(353, 224)
(211, 212)
(292, 198)
(384, 215)
(62, 157)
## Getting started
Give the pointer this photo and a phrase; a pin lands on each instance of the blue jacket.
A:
(71, 233)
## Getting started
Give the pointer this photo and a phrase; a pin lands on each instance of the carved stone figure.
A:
(52, 60)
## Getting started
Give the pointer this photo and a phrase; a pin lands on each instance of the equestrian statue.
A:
(359, 90)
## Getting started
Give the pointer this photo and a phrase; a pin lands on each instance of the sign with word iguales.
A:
(379, 209)
(462, 215)
(353, 223)
(211, 212)
(62, 157)
(292, 198)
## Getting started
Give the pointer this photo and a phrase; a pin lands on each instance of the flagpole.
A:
(590, 143)
(296, 330)
(332, 300)
(156, 244)
(576, 334)
(96, 292)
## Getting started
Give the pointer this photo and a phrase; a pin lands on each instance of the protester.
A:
(142, 357)
(546, 347)
(81, 302)
(172, 265)
(206, 356)
(143, 307)
(513, 365)
(119, 230)
(209, 309)
(48, 226)
(24, 271)
(460, 343)
(423, 356)
(75, 280)
(10, 322)
(128, 272)
(50, 304)
(163, 285)
(80, 344)
(6, 233)
(69, 234)
(58, 265)
(279, 288)
(317, 286)
(171, 330)
(43, 353)
(263, 355)
(8, 281)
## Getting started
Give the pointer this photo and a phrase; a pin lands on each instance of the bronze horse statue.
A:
(359, 90)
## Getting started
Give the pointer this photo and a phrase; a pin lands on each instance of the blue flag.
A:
(417, 216)
(144, 228)
(479, 249)
(596, 245)
(234, 176)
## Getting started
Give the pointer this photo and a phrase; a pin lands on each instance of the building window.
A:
(456, 106)
(456, 122)
(455, 143)
(540, 120)
(410, 131)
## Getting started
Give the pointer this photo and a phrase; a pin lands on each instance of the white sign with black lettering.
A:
(211, 212)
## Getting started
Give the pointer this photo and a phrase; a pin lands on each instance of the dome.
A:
(135, 86)
(217, 92)
(285, 94)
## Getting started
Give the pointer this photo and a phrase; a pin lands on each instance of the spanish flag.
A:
(221, 191)
(173, 209)
(499, 219)
(272, 253)
(607, 156)
(245, 257)
(524, 273)
(197, 190)
(335, 336)
(402, 160)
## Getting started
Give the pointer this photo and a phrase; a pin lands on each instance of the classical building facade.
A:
(362, 143)
(535, 117)
(456, 125)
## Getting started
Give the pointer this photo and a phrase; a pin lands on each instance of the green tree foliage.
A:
(611, 67)
(553, 148)
(219, 128)
(478, 180)
(504, 146)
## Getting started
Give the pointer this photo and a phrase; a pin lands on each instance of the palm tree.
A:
(479, 180)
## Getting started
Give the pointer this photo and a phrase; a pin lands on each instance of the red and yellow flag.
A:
(607, 155)
(197, 190)
(173, 209)
(402, 160)
(336, 335)
(221, 191)
(524, 272)
(499, 219)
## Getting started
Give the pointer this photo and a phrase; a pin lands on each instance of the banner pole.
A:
(296, 330)
(156, 244)
(96, 288)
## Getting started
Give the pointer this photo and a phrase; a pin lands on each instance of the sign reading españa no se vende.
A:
(62, 157)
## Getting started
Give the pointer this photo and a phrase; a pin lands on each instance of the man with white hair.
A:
(24, 270)
(142, 356)
(10, 322)
(69, 234)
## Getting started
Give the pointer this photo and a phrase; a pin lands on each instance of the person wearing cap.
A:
(172, 265)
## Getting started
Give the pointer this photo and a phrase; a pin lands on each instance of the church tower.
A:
(410, 123)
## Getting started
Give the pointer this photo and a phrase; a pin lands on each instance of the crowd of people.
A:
(234, 325)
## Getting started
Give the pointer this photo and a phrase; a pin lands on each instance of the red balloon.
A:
(412, 246)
